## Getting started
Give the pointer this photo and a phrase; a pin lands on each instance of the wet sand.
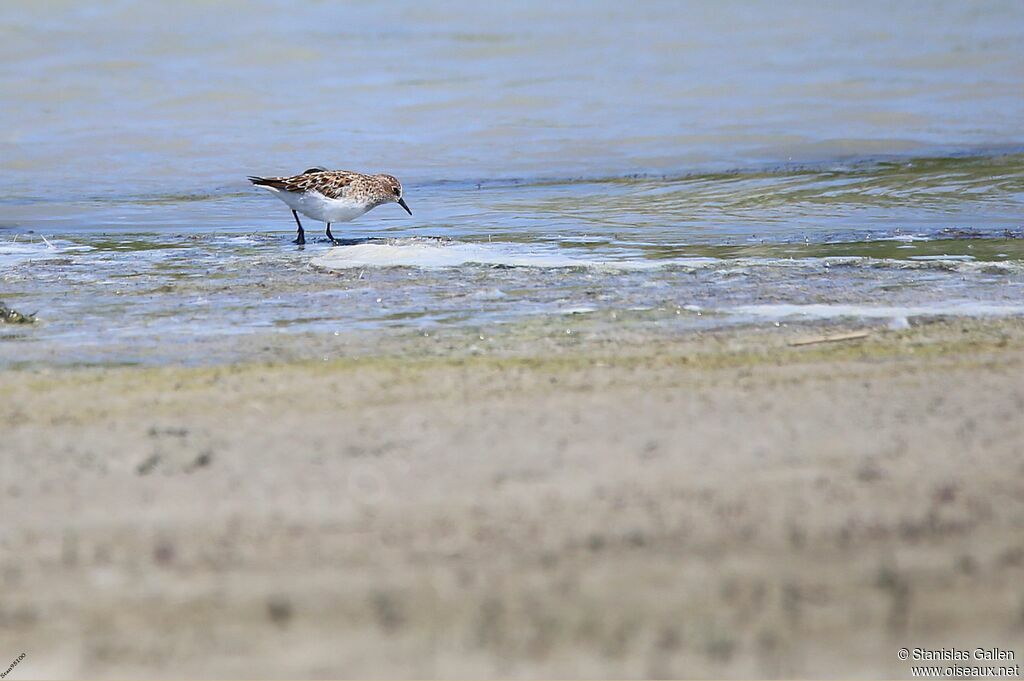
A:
(720, 504)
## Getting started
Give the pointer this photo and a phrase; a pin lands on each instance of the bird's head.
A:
(393, 190)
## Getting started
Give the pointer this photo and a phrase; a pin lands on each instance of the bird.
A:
(332, 195)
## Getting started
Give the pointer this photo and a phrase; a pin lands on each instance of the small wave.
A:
(434, 254)
(423, 254)
(958, 308)
(904, 238)
(940, 258)
(16, 252)
(951, 264)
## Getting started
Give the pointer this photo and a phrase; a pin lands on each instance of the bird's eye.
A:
(397, 191)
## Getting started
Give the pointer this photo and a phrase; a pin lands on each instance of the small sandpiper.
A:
(332, 195)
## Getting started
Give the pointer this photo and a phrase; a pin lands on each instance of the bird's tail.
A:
(261, 181)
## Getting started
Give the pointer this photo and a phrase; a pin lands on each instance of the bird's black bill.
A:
(401, 202)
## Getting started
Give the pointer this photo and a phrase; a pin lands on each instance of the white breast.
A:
(319, 207)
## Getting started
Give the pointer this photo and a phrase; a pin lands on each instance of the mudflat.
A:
(720, 504)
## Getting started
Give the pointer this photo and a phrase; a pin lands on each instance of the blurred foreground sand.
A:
(716, 505)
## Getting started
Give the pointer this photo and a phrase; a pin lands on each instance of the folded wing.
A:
(328, 183)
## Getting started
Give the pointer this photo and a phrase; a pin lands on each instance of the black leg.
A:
(301, 238)
(329, 235)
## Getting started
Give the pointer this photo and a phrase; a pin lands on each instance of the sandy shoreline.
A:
(704, 505)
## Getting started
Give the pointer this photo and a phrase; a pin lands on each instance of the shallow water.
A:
(680, 164)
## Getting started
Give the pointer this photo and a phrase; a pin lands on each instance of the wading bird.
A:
(332, 195)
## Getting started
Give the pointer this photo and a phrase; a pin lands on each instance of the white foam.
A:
(13, 252)
(438, 254)
(434, 254)
(18, 251)
(489, 294)
(956, 308)
(960, 258)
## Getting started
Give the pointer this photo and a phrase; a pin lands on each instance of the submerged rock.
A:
(12, 316)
